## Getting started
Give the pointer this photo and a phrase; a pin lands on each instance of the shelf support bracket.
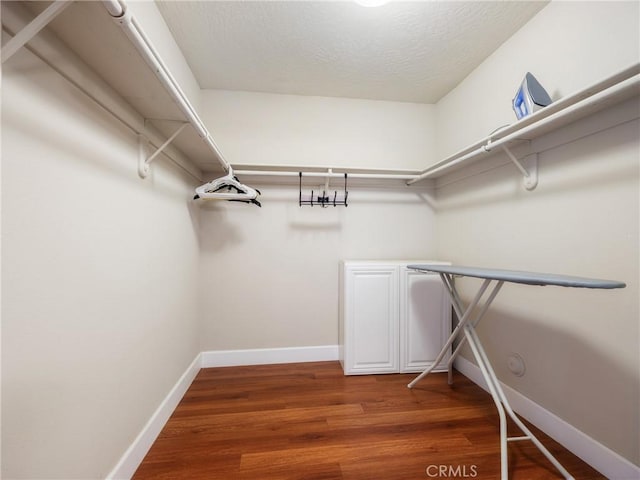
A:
(326, 181)
(32, 28)
(530, 175)
(143, 166)
(143, 160)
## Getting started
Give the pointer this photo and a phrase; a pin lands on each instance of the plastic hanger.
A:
(227, 188)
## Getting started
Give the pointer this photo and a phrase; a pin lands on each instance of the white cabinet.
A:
(392, 319)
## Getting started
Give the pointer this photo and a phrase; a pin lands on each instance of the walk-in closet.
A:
(234, 233)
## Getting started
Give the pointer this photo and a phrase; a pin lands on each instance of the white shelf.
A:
(608, 92)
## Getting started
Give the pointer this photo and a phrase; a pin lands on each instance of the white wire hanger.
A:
(228, 188)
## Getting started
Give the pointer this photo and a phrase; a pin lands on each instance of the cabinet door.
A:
(425, 320)
(370, 319)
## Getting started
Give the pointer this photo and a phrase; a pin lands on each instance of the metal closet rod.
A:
(328, 174)
(118, 10)
(626, 80)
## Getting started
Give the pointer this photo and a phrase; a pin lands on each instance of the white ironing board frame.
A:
(467, 326)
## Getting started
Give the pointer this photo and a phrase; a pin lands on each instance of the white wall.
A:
(99, 291)
(580, 347)
(261, 128)
(270, 275)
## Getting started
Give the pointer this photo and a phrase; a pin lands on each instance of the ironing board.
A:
(466, 325)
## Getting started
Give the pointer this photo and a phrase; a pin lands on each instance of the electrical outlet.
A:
(516, 364)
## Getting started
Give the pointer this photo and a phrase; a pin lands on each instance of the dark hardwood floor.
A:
(308, 421)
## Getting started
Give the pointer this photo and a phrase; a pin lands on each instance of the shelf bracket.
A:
(32, 28)
(143, 160)
(326, 181)
(143, 166)
(530, 175)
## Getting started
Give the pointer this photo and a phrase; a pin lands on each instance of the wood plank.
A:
(309, 421)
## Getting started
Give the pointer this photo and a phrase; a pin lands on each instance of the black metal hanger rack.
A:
(323, 200)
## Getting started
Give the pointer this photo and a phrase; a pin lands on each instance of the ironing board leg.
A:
(503, 405)
(484, 368)
(445, 349)
(457, 305)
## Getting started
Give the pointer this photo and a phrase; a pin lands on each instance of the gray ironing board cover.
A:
(528, 278)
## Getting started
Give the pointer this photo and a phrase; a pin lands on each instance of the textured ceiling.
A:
(402, 51)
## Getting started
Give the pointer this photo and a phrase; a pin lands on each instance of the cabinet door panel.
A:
(371, 333)
(425, 320)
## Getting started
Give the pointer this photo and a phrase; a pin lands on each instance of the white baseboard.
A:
(264, 356)
(606, 461)
(130, 461)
